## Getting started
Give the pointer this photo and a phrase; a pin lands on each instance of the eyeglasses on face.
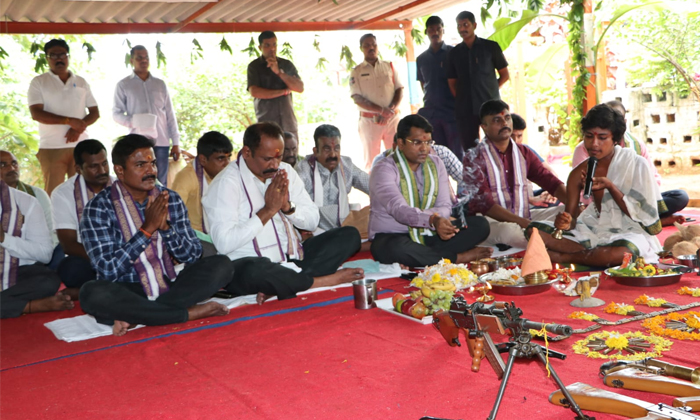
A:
(58, 56)
(419, 143)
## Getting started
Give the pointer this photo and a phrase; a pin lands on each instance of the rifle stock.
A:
(594, 399)
(692, 402)
(631, 378)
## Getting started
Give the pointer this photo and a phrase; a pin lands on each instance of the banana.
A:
(427, 291)
(447, 286)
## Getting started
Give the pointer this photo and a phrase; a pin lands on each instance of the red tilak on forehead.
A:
(277, 153)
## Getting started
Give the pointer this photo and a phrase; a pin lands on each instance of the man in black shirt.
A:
(271, 81)
(471, 74)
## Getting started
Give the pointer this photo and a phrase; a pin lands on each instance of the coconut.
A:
(689, 232)
(672, 240)
(684, 248)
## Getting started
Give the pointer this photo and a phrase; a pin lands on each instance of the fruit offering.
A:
(638, 268)
(445, 276)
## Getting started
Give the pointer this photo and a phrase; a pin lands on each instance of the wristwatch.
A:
(292, 208)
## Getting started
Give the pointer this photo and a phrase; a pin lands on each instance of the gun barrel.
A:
(552, 328)
(676, 371)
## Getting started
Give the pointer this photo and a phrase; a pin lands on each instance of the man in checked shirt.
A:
(134, 232)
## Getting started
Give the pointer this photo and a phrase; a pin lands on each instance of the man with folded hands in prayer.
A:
(411, 205)
(68, 201)
(257, 204)
(134, 232)
(497, 177)
(624, 215)
(25, 246)
(328, 178)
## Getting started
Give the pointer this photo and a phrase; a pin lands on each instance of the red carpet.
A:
(314, 357)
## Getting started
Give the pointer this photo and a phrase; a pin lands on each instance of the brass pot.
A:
(479, 267)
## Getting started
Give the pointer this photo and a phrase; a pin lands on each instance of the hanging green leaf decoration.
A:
(286, 50)
(197, 51)
(346, 54)
(90, 50)
(252, 49)
(159, 55)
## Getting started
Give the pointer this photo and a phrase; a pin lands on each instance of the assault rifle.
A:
(478, 319)
(594, 399)
(651, 375)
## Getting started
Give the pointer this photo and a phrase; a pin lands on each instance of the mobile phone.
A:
(689, 219)
(223, 294)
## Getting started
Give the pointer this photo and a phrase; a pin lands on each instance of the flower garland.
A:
(650, 301)
(659, 325)
(445, 274)
(583, 315)
(692, 291)
(619, 308)
(617, 342)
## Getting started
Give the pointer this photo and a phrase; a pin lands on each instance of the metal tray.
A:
(520, 289)
(653, 280)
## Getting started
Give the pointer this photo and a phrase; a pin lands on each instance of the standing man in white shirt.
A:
(142, 104)
(58, 100)
(68, 201)
(26, 284)
(376, 89)
(256, 204)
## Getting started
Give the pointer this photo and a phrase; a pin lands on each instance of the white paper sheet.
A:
(79, 328)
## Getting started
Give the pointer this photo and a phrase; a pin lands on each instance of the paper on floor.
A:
(79, 328)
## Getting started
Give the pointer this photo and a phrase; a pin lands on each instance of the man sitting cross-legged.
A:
(624, 215)
(68, 201)
(328, 178)
(25, 246)
(134, 231)
(255, 204)
(213, 154)
(411, 205)
(497, 176)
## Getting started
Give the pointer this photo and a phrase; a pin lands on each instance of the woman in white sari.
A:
(624, 217)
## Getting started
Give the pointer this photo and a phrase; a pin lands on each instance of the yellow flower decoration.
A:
(693, 291)
(618, 308)
(658, 345)
(435, 278)
(445, 274)
(657, 325)
(617, 342)
(650, 301)
(583, 315)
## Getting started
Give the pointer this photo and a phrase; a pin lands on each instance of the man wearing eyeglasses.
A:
(497, 176)
(142, 103)
(411, 205)
(62, 103)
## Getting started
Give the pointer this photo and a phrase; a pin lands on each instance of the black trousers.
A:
(389, 248)
(35, 281)
(468, 127)
(75, 271)
(675, 200)
(323, 254)
(108, 301)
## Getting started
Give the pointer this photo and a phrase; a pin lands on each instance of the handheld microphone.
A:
(592, 163)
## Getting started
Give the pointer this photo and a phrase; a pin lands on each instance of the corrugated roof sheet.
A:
(234, 15)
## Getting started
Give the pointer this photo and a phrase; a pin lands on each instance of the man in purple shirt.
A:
(410, 200)
(497, 175)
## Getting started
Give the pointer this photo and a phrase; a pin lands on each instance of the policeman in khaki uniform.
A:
(376, 89)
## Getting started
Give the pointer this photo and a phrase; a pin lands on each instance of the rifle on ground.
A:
(651, 375)
(594, 399)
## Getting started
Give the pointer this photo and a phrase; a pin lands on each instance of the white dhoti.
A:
(512, 234)
(631, 175)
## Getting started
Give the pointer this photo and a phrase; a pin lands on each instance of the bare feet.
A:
(669, 220)
(120, 328)
(73, 292)
(341, 276)
(262, 297)
(58, 302)
(206, 310)
(474, 254)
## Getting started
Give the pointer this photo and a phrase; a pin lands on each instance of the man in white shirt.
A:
(328, 178)
(10, 173)
(58, 100)
(255, 204)
(27, 285)
(142, 104)
(68, 200)
(376, 89)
